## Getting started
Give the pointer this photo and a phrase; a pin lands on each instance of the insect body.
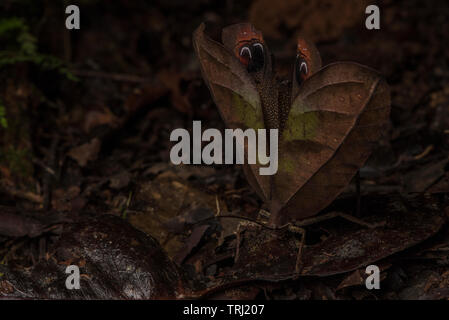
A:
(329, 117)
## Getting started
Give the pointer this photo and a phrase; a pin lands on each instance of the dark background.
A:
(85, 115)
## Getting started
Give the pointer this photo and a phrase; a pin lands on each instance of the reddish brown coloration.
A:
(307, 63)
(329, 118)
(342, 110)
(235, 38)
(309, 52)
(239, 35)
(231, 85)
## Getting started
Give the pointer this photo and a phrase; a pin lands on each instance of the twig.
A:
(357, 183)
(43, 166)
(110, 76)
(218, 206)
(424, 153)
(47, 176)
(27, 195)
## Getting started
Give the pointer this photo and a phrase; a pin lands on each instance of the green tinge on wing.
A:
(287, 164)
(301, 126)
(247, 113)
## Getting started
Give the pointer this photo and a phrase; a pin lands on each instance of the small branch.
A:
(110, 76)
(47, 179)
(27, 195)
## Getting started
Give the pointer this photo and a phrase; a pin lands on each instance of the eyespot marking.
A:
(245, 49)
(258, 45)
(303, 68)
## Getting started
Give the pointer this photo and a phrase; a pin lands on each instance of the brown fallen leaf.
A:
(86, 152)
(62, 198)
(13, 224)
(319, 20)
(116, 261)
(179, 223)
(421, 179)
(120, 180)
(6, 287)
(354, 279)
(347, 248)
(173, 81)
(191, 243)
(442, 186)
(97, 118)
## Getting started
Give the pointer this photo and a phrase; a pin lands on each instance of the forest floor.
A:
(84, 152)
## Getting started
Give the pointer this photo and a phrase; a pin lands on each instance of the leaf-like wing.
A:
(235, 95)
(332, 126)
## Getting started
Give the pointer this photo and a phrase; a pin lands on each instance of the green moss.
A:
(19, 45)
(3, 121)
(17, 160)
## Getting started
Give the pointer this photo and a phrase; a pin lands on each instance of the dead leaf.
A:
(6, 287)
(179, 223)
(97, 118)
(318, 20)
(442, 186)
(191, 243)
(62, 198)
(344, 251)
(13, 224)
(354, 279)
(173, 81)
(86, 152)
(120, 180)
(421, 179)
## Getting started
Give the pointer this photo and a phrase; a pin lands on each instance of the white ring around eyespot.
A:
(303, 65)
(247, 49)
(257, 44)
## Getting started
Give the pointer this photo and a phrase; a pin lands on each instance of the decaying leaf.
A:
(354, 279)
(116, 262)
(86, 152)
(191, 243)
(13, 224)
(271, 256)
(320, 20)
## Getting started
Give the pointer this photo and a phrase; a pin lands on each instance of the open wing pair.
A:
(329, 117)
